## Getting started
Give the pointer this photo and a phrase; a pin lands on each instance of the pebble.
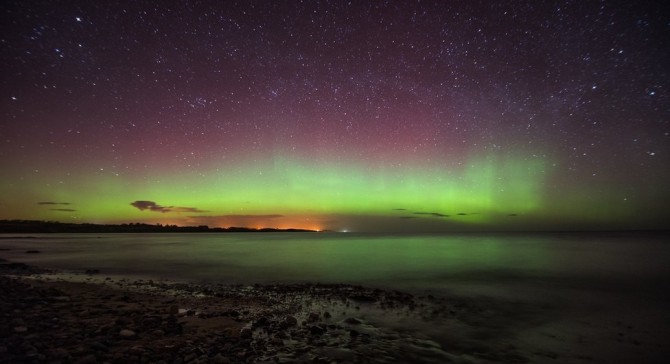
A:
(246, 333)
(219, 359)
(317, 330)
(353, 321)
(313, 317)
(126, 333)
(263, 321)
(290, 321)
(136, 350)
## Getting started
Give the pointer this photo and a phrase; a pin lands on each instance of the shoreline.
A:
(53, 316)
(87, 316)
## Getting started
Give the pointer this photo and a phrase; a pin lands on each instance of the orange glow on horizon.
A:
(259, 222)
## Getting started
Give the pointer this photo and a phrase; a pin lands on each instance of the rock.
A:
(290, 321)
(263, 321)
(246, 333)
(190, 357)
(232, 313)
(62, 299)
(20, 329)
(92, 271)
(219, 359)
(353, 321)
(125, 333)
(174, 309)
(317, 330)
(136, 350)
(98, 346)
(32, 251)
(327, 315)
(313, 317)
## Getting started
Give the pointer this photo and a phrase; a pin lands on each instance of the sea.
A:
(584, 292)
(484, 263)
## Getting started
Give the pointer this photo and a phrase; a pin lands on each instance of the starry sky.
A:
(342, 115)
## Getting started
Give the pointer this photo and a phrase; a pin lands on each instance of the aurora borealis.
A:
(358, 116)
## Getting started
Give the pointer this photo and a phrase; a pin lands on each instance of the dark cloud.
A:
(399, 209)
(64, 210)
(436, 214)
(462, 214)
(54, 203)
(152, 206)
(513, 215)
(149, 205)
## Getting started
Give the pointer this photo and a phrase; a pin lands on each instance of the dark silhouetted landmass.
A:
(34, 226)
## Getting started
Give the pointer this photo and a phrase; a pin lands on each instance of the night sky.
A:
(357, 116)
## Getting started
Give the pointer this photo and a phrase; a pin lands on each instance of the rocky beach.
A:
(85, 317)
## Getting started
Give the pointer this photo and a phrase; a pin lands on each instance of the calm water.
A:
(468, 261)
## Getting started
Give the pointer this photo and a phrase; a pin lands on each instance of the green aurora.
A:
(493, 192)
